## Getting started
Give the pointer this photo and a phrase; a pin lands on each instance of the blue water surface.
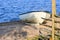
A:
(10, 9)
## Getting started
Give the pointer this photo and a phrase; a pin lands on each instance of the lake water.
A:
(10, 9)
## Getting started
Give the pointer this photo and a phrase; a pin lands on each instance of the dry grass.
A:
(31, 30)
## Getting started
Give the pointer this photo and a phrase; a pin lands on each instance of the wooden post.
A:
(53, 17)
(50, 38)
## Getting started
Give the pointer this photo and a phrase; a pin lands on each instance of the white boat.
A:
(35, 17)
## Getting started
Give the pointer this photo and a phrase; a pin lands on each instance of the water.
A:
(10, 9)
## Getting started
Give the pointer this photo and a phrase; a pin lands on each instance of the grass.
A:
(40, 37)
(57, 37)
(36, 38)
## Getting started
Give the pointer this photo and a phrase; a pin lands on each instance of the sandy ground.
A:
(21, 31)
